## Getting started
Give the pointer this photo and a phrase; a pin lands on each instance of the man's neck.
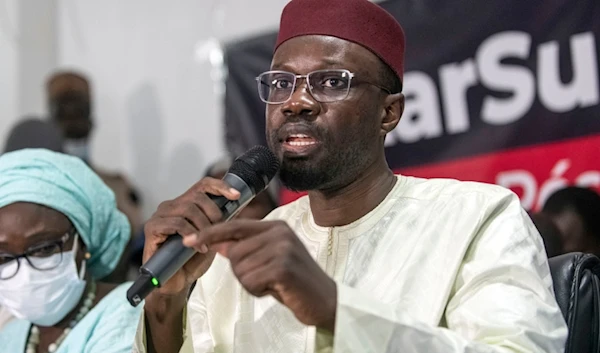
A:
(353, 201)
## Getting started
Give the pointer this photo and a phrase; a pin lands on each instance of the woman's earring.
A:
(87, 255)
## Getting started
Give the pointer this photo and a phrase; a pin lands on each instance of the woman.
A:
(60, 232)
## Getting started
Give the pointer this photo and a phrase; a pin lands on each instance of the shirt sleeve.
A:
(199, 336)
(139, 345)
(502, 300)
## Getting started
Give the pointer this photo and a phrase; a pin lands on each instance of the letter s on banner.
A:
(495, 75)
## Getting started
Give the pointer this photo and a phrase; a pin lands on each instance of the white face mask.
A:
(44, 297)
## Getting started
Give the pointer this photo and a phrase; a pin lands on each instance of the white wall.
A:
(27, 53)
(8, 66)
(158, 111)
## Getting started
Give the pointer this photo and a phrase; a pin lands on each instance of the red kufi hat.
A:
(358, 21)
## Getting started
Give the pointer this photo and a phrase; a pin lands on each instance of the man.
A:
(70, 103)
(576, 213)
(368, 261)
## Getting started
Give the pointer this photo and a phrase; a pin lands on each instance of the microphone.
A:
(249, 174)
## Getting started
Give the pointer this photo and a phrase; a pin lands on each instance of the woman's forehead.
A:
(28, 217)
(23, 225)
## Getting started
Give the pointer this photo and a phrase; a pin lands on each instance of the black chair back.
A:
(577, 288)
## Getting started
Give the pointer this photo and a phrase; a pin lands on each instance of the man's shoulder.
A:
(443, 188)
(461, 196)
(427, 190)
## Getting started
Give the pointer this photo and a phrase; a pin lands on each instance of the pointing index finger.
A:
(234, 230)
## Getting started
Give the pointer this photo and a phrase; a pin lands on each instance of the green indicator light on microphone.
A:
(154, 281)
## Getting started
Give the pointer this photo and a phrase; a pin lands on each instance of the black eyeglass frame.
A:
(59, 245)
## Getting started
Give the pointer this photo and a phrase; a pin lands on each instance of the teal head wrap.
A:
(67, 185)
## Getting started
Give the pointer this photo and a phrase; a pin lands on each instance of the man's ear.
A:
(393, 109)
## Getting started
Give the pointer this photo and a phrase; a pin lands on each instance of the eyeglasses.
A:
(36, 256)
(276, 87)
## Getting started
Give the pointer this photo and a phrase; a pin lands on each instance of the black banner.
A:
(482, 77)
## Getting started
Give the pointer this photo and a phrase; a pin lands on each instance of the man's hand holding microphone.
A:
(266, 257)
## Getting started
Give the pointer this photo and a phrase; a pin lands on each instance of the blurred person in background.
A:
(60, 232)
(34, 133)
(550, 233)
(70, 103)
(576, 213)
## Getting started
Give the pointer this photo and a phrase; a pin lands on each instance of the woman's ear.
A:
(82, 252)
(85, 253)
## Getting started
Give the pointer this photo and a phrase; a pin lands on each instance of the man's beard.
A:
(302, 175)
(336, 165)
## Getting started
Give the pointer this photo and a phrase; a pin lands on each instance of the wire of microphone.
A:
(249, 174)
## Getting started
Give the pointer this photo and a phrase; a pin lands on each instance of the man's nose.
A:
(301, 102)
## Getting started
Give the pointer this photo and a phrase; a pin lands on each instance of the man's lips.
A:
(299, 145)
(297, 133)
(299, 140)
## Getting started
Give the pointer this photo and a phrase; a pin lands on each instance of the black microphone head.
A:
(256, 167)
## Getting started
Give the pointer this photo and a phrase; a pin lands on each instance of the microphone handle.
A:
(172, 254)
